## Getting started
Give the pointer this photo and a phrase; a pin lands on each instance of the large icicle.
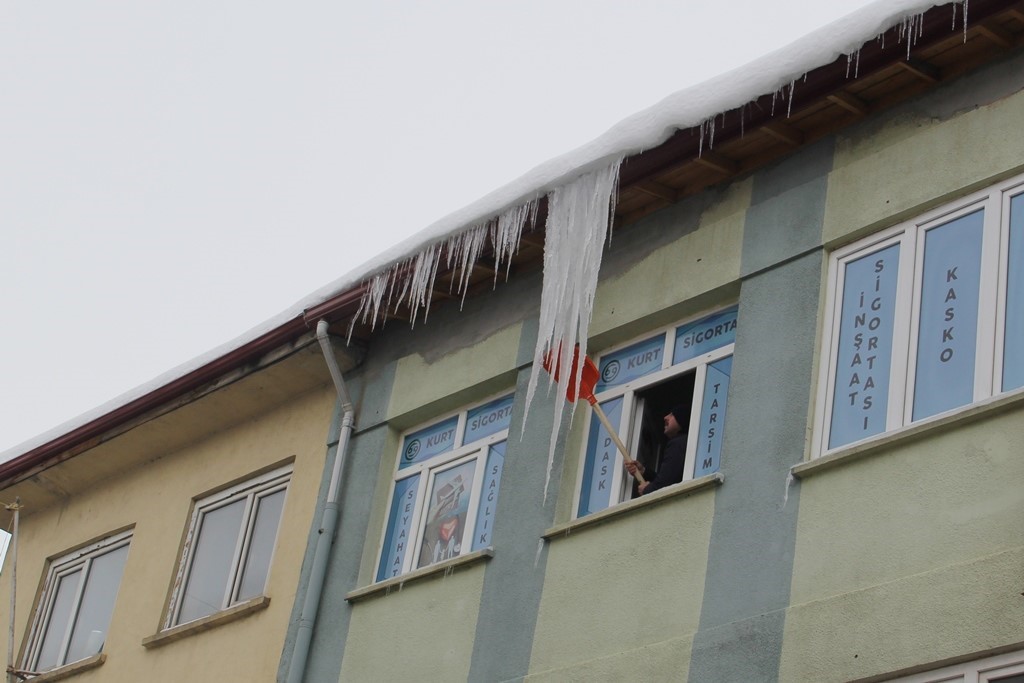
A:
(579, 221)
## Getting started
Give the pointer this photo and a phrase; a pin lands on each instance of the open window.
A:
(687, 364)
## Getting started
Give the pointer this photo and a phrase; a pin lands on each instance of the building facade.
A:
(830, 299)
(169, 548)
(841, 324)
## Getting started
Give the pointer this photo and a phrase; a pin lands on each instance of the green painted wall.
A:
(625, 596)
(909, 556)
(423, 632)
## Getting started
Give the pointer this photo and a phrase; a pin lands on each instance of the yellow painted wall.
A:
(156, 499)
(421, 632)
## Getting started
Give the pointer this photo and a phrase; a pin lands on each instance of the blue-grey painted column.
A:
(514, 578)
(371, 391)
(753, 533)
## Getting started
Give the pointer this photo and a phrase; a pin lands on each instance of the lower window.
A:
(76, 604)
(229, 547)
(446, 489)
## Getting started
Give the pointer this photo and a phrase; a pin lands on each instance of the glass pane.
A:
(428, 442)
(1019, 678)
(707, 334)
(947, 336)
(396, 540)
(211, 567)
(599, 467)
(446, 518)
(60, 616)
(488, 419)
(1013, 349)
(489, 496)
(261, 546)
(712, 417)
(864, 353)
(97, 604)
(632, 362)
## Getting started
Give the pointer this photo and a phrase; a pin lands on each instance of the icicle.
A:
(743, 111)
(953, 25)
(463, 251)
(789, 107)
(540, 549)
(411, 282)
(790, 480)
(507, 231)
(965, 19)
(774, 95)
(579, 221)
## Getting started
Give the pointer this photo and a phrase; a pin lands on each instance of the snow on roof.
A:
(644, 130)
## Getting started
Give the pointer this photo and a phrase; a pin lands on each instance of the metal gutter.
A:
(87, 434)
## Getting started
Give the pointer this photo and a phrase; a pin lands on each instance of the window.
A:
(447, 480)
(687, 364)
(76, 604)
(925, 318)
(229, 547)
(1007, 668)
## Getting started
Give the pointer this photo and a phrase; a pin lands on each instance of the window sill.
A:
(72, 669)
(676, 491)
(884, 442)
(230, 614)
(440, 569)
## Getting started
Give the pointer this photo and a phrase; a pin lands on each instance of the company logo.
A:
(412, 450)
(610, 371)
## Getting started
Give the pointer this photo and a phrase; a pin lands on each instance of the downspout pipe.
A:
(329, 516)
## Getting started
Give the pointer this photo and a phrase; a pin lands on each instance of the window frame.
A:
(58, 568)
(427, 470)
(986, 670)
(252, 491)
(995, 202)
(629, 418)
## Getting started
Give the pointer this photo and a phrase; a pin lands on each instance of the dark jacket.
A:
(670, 470)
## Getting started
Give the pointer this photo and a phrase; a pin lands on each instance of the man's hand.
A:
(632, 466)
(640, 489)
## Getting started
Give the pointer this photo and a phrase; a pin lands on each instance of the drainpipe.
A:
(12, 550)
(329, 517)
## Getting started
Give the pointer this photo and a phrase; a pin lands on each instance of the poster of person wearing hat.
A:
(446, 518)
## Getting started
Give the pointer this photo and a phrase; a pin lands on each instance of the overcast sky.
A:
(174, 173)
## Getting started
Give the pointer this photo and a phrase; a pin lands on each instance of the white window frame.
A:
(80, 559)
(629, 422)
(988, 367)
(987, 670)
(429, 469)
(251, 491)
